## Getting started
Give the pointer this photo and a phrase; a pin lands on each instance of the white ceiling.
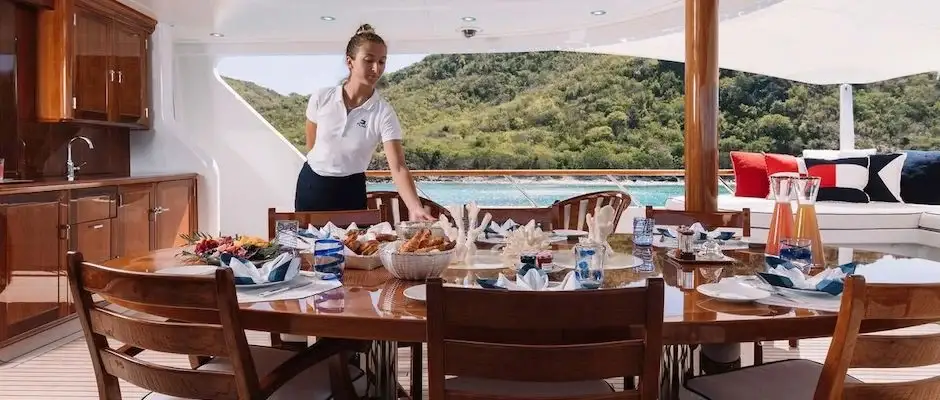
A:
(816, 41)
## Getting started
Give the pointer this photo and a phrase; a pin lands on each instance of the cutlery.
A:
(284, 289)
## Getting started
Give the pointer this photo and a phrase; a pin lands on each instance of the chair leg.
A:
(417, 371)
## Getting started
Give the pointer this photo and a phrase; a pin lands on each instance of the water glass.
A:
(328, 258)
(645, 255)
(797, 251)
(589, 263)
(643, 231)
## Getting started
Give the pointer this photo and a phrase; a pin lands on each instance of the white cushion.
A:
(832, 215)
(930, 220)
(495, 387)
(313, 383)
(783, 380)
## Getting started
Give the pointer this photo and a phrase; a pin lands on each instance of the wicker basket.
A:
(414, 266)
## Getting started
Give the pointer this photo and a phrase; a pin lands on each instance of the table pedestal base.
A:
(382, 370)
(679, 364)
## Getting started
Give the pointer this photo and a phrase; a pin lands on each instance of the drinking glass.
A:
(645, 254)
(328, 258)
(589, 263)
(799, 252)
(643, 231)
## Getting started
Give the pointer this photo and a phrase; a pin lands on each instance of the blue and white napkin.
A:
(505, 229)
(284, 267)
(537, 280)
(783, 273)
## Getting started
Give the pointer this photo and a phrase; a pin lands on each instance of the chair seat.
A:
(528, 390)
(780, 380)
(313, 383)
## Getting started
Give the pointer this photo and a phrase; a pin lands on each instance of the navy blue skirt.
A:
(329, 193)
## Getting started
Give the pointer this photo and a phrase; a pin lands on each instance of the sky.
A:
(300, 74)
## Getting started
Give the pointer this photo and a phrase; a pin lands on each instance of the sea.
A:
(538, 193)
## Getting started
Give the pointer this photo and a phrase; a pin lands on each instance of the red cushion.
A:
(750, 174)
(777, 163)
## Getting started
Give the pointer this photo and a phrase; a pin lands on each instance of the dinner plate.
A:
(732, 292)
(570, 232)
(417, 293)
(502, 240)
(189, 270)
(261, 285)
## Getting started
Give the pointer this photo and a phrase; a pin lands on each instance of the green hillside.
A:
(572, 110)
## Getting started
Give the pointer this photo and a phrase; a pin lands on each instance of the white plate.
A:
(417, 293)
(261, 285)
(732, 292)
(189, 270)
(570, 232)
(502, 240)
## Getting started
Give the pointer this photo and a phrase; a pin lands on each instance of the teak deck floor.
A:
(62, 370)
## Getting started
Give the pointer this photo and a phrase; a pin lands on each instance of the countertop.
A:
(85, 182)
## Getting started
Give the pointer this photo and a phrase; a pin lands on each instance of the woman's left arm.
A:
(404, 182)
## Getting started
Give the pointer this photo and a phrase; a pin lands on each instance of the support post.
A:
(701, 105)
(846, 118)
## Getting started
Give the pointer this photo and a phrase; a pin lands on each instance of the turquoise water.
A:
(488, 193)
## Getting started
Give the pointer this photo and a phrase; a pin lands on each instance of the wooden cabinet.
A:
(93, 64)
(37, 230)
(33, 286)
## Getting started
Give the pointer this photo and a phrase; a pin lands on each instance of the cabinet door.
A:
(93, 72)
(173, 213)
(131, 94)
(132, 230)
(33, 284)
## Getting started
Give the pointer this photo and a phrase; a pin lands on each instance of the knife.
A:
(284, 289)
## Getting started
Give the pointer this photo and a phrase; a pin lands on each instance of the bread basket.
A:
(414, 266)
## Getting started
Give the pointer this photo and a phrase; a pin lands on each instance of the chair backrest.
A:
(204, 293)
(392, 202)
(552, 336)
(571, 213)
(541, 215)
(916, 304)
(709, 220)
(342, 219)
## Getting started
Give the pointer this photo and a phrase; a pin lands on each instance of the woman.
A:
(344, 125)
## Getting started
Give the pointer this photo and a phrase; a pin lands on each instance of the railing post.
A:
(701, 105)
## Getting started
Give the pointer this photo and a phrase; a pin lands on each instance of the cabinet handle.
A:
(111, 73)
(97, 226)
(120, 77)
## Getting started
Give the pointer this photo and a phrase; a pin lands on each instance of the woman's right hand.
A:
(420, 214)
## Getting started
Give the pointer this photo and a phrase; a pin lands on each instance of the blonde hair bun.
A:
(365, 28)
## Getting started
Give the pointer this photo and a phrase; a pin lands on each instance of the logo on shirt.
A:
(361, 123)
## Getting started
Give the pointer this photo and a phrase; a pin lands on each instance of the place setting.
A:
(726, 240)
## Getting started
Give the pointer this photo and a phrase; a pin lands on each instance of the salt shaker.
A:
(685, 243)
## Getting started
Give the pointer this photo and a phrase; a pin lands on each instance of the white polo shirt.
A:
(345, 142)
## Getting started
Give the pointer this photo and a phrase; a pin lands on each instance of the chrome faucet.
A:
(69, 164)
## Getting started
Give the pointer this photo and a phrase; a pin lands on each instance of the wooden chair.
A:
(796, 379)
(571, 213)
(344, 218)
(719, 219)
(393, 201)
(233, 375)
(523, 345)
(522, 215)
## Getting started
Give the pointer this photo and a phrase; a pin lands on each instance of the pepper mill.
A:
(685, 243)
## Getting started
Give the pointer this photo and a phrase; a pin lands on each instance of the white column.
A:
(846, 118)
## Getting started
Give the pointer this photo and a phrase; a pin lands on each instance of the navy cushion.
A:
(920, 177)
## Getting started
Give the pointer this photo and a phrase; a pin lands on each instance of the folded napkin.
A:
(700, 231)
(601, 225)
(284, 267)
(783, 273)
(503, 230)
(537, 280)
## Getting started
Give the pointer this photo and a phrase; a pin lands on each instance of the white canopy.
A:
(815, 41)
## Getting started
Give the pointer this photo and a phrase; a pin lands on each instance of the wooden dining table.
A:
(371, 305)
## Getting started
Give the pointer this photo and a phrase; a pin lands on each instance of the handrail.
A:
(519, 188)
(541, 172)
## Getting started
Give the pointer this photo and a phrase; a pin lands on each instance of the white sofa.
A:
(875, 226)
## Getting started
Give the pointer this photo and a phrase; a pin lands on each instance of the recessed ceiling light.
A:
(328, 18)
(598, 12)
(216, 34)
(469, 19)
